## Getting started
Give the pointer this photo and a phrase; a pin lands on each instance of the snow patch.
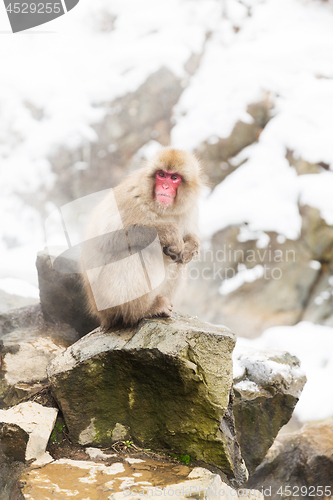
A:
(96, 453)
(133, 460)
(116, 468)
(313, 346)
(247, 385)
(315, 264)
(244, 275)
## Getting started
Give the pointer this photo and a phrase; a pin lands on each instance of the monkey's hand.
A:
(174, 253)
(171, 241)
(191, 249)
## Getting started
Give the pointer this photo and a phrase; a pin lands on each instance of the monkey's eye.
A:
(174, 177)
(161, 174)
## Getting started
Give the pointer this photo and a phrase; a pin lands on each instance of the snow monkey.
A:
(127, 276)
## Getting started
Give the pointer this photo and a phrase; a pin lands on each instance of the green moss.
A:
(155, 396)
(186, 459)
(57, 434)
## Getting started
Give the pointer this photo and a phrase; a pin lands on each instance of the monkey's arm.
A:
(169, 236)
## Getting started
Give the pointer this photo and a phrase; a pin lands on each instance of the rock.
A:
(303, 167)
(10, 301)
(316, 234)
(277, 297)
(216, 157)
(294, 286)
(28, 344)
(61, 294)
(319, 308)
(13, 441)
(23, 317)
(301, 462)
(10, 473)
(267, 386)
(165, 384)
(37, 421)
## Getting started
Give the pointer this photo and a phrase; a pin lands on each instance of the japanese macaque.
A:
(127, 276)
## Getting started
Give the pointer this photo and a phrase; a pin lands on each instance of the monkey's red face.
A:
(166, 186)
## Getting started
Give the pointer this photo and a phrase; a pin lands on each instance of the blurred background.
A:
(245, 84)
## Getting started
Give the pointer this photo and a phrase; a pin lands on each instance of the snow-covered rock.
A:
(267, 386)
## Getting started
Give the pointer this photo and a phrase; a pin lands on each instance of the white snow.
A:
(133, 460)
(315, 264)
(243, 275)
(263, 366)
(247, 385)
(116, 468)
(313, 345)
(316, 191)
(96, 453)
(263, 192)
(245, 235)
(149, 150)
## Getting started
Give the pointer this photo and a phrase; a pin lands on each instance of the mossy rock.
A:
(164, 384)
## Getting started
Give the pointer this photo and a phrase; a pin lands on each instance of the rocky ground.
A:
(165, 387)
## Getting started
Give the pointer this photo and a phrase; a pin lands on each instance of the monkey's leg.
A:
(109, 317)
(161, 307)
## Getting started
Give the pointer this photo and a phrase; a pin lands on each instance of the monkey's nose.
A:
(165, 186)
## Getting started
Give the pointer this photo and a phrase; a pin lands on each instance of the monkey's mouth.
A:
(163, 198)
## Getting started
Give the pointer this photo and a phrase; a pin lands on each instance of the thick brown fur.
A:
(176, 226)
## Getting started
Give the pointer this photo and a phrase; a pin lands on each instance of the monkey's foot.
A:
(161, 307)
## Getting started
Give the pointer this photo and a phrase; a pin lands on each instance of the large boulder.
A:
(267, 386)
(61, 293)
(165, 384)
(300, 463)
(251, 285)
